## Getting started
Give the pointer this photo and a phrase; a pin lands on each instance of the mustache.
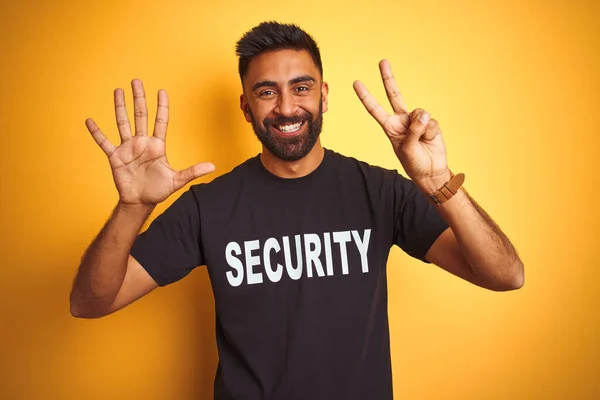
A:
(289, 120)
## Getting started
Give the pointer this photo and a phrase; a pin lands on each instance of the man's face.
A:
(284, 99)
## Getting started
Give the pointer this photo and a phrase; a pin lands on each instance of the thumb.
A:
(187, 175)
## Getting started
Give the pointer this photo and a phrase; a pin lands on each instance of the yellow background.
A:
(513, 83)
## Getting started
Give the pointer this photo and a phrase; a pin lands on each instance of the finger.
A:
(370, 103)
(99, 137)
(418, 125)
(140, 110)
(414, 115)
(432, 130)
(162, 116)
(182, 178)
(121, 115)
(391, 88)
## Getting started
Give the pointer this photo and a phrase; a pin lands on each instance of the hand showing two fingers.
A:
(415, 136)
(140, 169)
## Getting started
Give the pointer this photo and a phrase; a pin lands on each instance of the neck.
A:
(293, 169)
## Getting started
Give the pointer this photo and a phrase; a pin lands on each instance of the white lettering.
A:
(328, 257)
(273, 275)
(342, 238)
(294, 273)
(312, 255)
(249, 260)
(363, 246)
(252, 261)
(234, 262)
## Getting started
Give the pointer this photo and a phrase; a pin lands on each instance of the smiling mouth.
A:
(289, 129)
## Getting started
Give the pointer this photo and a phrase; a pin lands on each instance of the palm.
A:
(418, 146)
(140, 169)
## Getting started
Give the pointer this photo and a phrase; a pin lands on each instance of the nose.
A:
(286, 106)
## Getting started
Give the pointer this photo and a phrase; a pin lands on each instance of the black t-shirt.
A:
(298, 271)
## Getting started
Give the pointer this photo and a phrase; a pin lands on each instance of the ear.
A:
(245, 107)
(324, 94)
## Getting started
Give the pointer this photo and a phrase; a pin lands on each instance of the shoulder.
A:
(227, 182)
(377, 181)
(347, 164)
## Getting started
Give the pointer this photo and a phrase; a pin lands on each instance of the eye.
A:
(302, 89)
(267, 93)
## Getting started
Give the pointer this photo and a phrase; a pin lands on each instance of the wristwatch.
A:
(449, 189)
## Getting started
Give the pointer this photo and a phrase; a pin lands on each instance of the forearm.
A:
(104, 264)
(489, 253)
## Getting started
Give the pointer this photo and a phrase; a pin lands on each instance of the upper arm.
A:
(137, 283)
(171, 247)
(417, 223)
(446, 254)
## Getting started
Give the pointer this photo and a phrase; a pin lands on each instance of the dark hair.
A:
(271, 35)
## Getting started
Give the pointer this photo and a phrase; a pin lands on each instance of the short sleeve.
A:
(417, 223)
(171, 246)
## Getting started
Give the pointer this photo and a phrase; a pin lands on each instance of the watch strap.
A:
(449, 189)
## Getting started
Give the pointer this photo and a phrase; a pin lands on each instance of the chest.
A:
(269, 243)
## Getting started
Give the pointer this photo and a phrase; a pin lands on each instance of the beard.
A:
(293, 148)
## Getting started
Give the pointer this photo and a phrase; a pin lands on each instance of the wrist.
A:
(432, 184)
(444, 191)
(137, 208)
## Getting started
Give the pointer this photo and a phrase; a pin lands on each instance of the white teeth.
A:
(289, 128)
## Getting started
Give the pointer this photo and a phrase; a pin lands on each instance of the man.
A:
(295, 240)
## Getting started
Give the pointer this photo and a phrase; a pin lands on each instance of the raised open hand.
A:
(139, 164)
(415, 136)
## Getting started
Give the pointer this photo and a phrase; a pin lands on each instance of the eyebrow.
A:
(303, 78)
